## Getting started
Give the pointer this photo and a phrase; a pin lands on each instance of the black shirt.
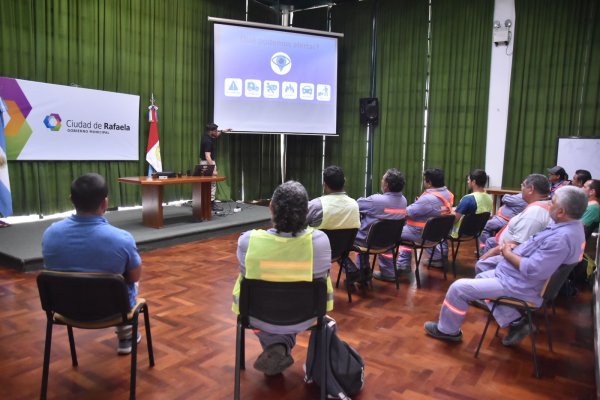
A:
(208, 145)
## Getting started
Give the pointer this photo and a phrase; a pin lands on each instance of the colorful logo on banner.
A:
(53, 122)
(17, 131)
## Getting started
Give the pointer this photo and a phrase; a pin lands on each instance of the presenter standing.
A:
(208, 152)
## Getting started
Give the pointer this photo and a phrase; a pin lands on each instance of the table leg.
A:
(201, 201)
(152, 209)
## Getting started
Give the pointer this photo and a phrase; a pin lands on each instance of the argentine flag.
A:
(5, 197)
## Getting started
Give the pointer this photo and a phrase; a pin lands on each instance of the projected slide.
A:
(271, 81)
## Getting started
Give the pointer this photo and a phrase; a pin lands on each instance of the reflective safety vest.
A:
(279, 259)
(445, 208)
(484, 204)
(339, 212)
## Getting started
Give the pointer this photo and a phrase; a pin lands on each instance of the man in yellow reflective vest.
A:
(287, 252)
(335, 209)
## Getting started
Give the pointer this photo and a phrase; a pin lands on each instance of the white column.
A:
(500, 71)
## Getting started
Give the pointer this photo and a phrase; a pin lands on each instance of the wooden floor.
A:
(188, 288)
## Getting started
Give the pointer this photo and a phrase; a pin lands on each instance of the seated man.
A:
(476, 202)
(86, 242)
(581, 177)
(535, 190)
(512, 204)
(335, 209)
(518, 272)
(436, 200)
(288, 242)
(389, 205)
(591, 217)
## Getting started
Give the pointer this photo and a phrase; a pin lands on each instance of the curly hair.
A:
(289, 206)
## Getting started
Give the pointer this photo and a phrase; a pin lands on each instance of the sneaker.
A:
(215, 206)
(431, 328)
(517, 331)
(273, 360)
(124, 346)
(479, 304)
(384, 277)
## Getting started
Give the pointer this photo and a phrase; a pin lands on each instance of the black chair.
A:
(280, 303)
(384, 235)
(89, 301)
(435, 232)
(549, 293)
(341, 242)
(470, 228)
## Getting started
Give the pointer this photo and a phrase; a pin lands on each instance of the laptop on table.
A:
(203, 170)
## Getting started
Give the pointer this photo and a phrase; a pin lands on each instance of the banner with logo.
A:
(56, 122)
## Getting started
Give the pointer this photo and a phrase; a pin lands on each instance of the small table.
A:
(497, 192)
(152, 196)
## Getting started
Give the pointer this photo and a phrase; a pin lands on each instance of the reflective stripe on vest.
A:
(279, 259)
(445, 209)
(504, 217)
(339, 212)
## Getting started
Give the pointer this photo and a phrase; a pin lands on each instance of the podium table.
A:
(153, 190)
(497, 194)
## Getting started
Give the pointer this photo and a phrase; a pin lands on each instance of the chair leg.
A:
(417, 262)
(477, 246)
(489, 318)
(239, 358)
(46, 367)
(148, 335)
(548, 330)
(72, 345)
(337, 282)
(134, 333)
(344, 266)
(324, 355)
(395, 258)
(536, 368)
(454, 255)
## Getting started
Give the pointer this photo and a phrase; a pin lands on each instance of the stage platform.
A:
(21, 249)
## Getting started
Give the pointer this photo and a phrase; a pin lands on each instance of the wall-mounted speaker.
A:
(369, 110)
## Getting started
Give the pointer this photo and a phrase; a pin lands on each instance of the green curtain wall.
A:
(401, 75)
(129, 46)
(461, 39)
(555, 84)
(348, 150)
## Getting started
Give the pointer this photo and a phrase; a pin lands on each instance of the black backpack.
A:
(345, 367)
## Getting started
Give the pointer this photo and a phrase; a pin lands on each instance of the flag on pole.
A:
(5, 196)
(153, 149)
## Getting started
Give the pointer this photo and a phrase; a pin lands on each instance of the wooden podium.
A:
(152, 196)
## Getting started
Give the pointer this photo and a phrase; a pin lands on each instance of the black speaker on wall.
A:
(369, 110)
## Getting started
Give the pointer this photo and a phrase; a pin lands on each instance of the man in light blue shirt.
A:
(86, 242)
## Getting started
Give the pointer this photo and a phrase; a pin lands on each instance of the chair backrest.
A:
(84, 297)
(437, 228)
(385, 233)
(282, 303)
(473, 224)
(556, 281)
(340, 240)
